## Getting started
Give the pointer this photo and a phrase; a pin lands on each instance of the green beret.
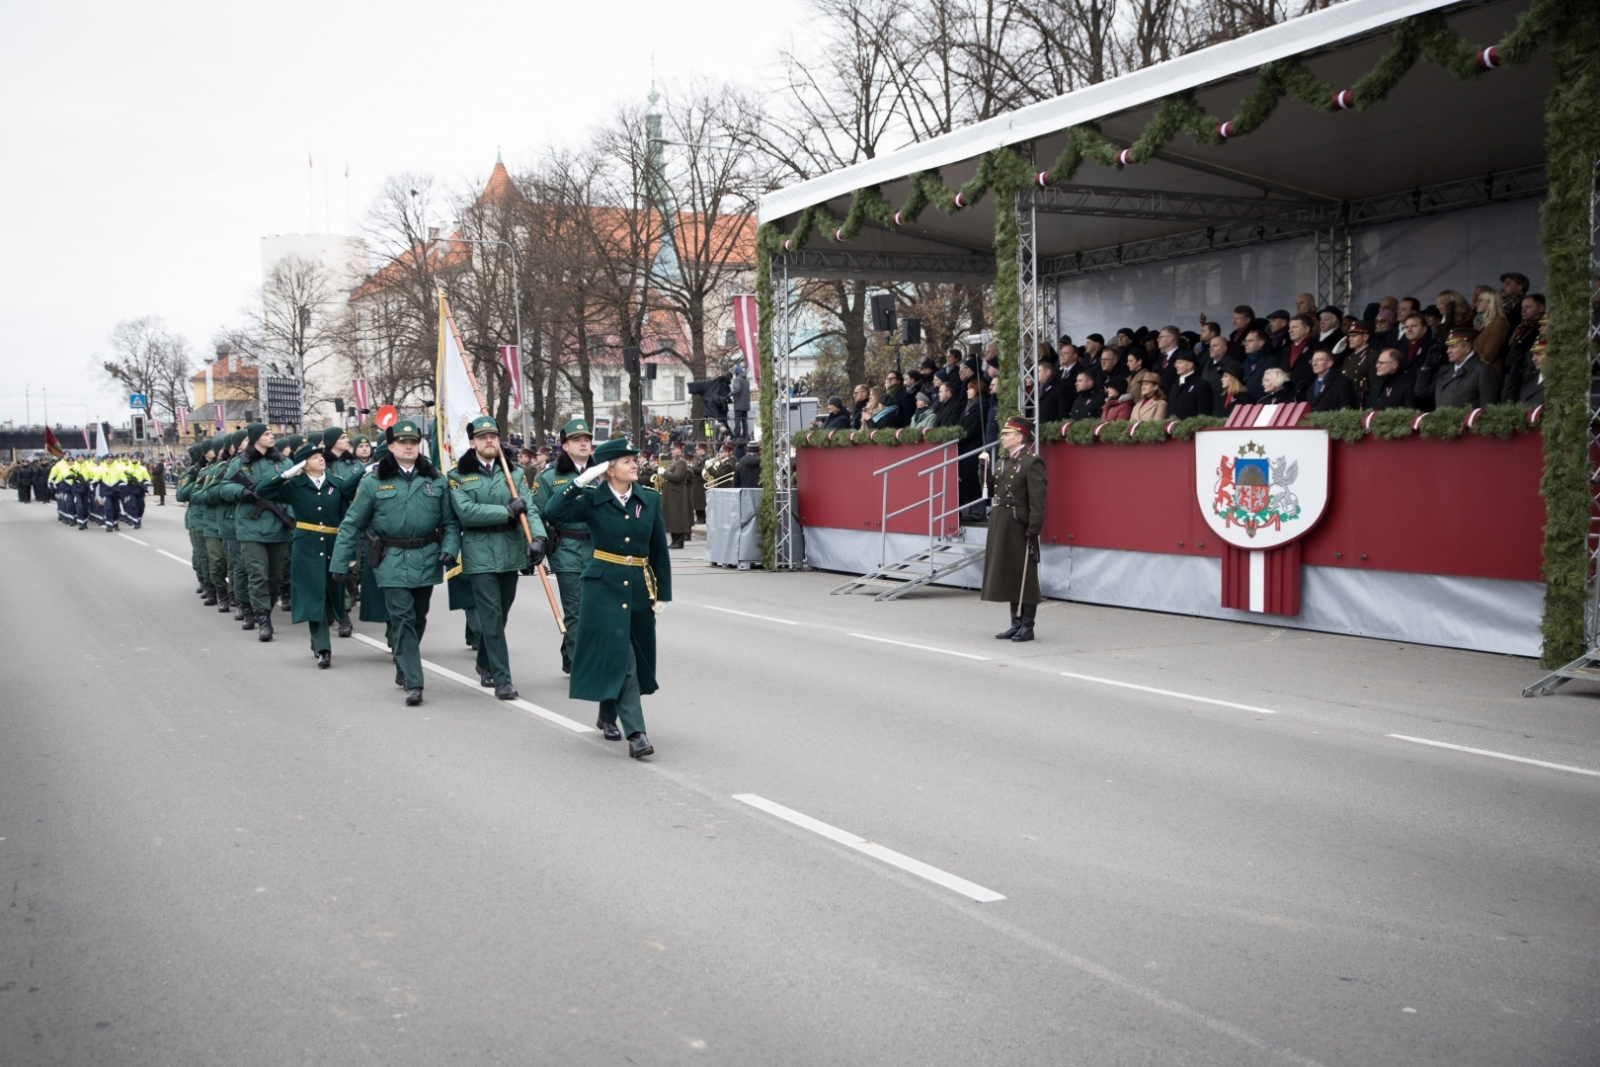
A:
(254, 430)
(291, 442)
(237, 437)
(304, 452)
(358, 440)
(405, 428)
(482, 424)
(614, 448)
(331, 435)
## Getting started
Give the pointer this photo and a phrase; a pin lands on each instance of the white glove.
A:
(592, 474)
(296, 469)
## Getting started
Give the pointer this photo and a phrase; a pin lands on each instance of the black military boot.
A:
(225, 601)
(639, 746)
(1025, 631)
(238, 611)
(506, 692)
(608, 730)
(283, 600)
(345, 629)
(413, 697)
(324, 660)
(210, 599)
(265, 633)
(200, 590)
(485, 678)
(249, 619)
(1016, 624)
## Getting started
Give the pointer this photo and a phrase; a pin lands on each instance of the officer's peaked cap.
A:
(482, 424)
(403, 429)
(576, 428)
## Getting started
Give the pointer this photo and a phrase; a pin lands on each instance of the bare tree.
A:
(149, 359)
(300, 324)
(395, 337)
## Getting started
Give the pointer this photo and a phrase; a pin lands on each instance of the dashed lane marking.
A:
(924, 648)
(180, 559)
(1496, 755)
(1168, 693)
(135, 540)
(745, 614)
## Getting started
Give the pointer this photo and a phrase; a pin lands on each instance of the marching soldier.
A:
(615, 658)
(199, 456)
(1011, 555)
(319, 500)
(677, 496)
(493, 549)
(264, 530)
(402, 515)
(211, 521)
(570, 548)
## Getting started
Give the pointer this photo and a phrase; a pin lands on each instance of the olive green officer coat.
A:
(616, 602)
(404, 509)
(313, 597)
(677, 496)
(573, 552)
(697, 483)
(1010, 573)
(491, 540)
(251, 522)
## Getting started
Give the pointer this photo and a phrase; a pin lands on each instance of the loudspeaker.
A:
(911, 331)
(650, 371)
(630, 359)
(338, 404)
(883, 312)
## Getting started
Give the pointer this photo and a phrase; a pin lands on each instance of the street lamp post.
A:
(516, 311)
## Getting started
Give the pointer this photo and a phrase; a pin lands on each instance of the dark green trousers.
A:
(217, 564)
(265, 562)
(494, 594)
(197, 556)
(571, 586)
(408, 619)
(627, 706)
(238, 577)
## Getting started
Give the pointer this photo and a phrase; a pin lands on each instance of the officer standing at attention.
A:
(570, 547)
(402, 515)
(615, 658)
(677, 496)
(1011, 555)
(319, 500)
(262, 528)
(493, 550)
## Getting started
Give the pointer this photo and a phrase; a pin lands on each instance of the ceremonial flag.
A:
(100, 449)
(358, 388)
(155, 425)
(746, 324)
(454, 394)
(87, 444)
(183, 421)
(511, 358)
(222, 417)
(51, 445)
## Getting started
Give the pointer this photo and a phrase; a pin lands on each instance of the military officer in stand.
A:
(631, 572)
(1011, 554)
(403, 518)
(493, 548)
(569, 542)
(319, 500)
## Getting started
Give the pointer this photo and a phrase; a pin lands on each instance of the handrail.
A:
(957, 459)
(910, 459)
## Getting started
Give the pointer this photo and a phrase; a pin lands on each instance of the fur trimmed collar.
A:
(389, 467)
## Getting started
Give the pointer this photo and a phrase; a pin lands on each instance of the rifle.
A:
(262, 505)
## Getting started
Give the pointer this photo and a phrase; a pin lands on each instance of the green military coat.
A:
(184, 495)
(1010, 573)
(394, 506)
(491, 540)
(575, 549)
(616, 606)
(314, 597)
(201, 494)
(252, 522)
(677, 496)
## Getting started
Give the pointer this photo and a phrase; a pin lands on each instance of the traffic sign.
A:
(387, 416)
(138, 400)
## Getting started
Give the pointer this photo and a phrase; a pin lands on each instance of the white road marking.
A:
(746, 614)
(135, 540)
(877, 852)
(180, 559)
(1496, 755)
(925, 648)
(472, 683)
(1168, 693)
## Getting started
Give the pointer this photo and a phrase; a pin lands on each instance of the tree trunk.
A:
(852, 297)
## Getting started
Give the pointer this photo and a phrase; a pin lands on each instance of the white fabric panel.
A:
(1481, 614)
(1418, 257)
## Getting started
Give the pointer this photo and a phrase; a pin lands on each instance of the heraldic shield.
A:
(1261, 490)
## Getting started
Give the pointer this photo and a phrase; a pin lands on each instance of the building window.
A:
(729, 338)
(647, 388)
(610, 388)
(677, 387)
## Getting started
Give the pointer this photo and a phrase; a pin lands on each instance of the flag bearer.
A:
(570, 550)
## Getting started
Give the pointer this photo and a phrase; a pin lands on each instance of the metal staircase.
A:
(948, 549)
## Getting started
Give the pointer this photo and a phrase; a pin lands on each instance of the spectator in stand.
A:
(1330, 390)
(1152, 402)
(1244, 317)
(974, 417)
(1093, 345)
(1360, 359)
(924, 414)
(1409, 305)
(1385, 328)
(1465, 381)
(873, 408)
(1258, 358)
(838, 418)
(1190, 394)
(1208, 330)
(1276, 388)
(1305, 304)
(1415, 341)
(1278, 334)
(1110, 363)
(1516, 365)
(1124, 338)
(1532, 391)
(1455, 312)
(952, 400)
(1391, 385)
(1234, 391)
(1118, 404)
(1513, 287)
(1434, 318)
(1066, 374)
(897, 396)
(1054, 402)
(861, 398)
(1296, 359)
(1210, 364)
(1494, 329)
(1135, 363)
(1169, 342)
(1088, 399)
(1329, 333)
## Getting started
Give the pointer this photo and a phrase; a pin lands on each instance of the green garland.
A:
(911, 435)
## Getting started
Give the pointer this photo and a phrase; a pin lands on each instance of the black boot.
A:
(506, 692)
(249, 619)
(1016, 624)
(485, 678)
(324, 660)
(608, 730)
(1025, 631)
(639, 746)
(266, 626)
(283, 600)
(200, 590)
(238, 611)
(210, 597)
(345, 629)
(225, 602)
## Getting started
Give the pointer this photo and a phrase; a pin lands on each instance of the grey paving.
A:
(211, 852)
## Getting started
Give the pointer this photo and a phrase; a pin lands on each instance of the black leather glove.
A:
(342, 577)
(1033, 547)
(447, 559)
(517, 507)
(249, 496)
(538, 548)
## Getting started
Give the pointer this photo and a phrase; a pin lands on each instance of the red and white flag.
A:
(746, 326)
(511, 360)
(155, 428)
(363, 399)
(222, 417)
(86, 442)
(183, 421)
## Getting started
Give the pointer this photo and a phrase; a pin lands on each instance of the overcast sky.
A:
(145, 148)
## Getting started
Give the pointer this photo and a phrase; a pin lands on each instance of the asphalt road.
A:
(213, 853)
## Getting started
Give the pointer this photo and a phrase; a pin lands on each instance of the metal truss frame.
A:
(783, 548)
(891, 266)
(1030, 313)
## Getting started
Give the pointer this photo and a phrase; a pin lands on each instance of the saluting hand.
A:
(593, 474)
(296, 469)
